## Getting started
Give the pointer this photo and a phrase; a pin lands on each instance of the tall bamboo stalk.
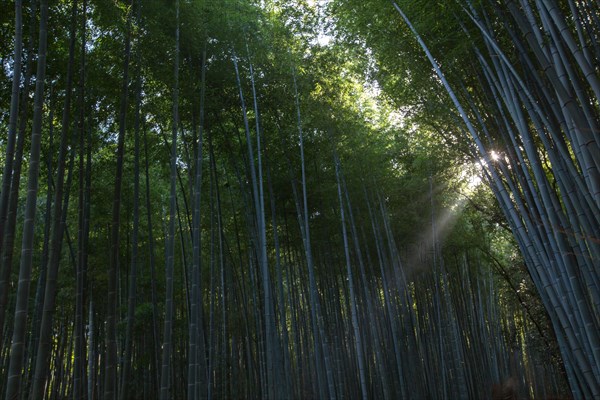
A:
(167, 350)
(17, 351)
(111, 375)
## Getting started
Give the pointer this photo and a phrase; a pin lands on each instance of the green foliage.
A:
(367, 95)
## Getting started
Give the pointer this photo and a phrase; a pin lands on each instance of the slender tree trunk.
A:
(91, 373)
(8, 230)
(287, 390)
(196, 358)
(167, 350)
(352, 300)
(317, 317)
(13, 387)
(79, 370)
(12, 125)
(110, 374)
(126, 387)
(153, 294)
(43, 353)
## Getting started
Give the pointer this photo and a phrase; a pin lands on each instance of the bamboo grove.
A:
(336, 199)
(529, 106)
